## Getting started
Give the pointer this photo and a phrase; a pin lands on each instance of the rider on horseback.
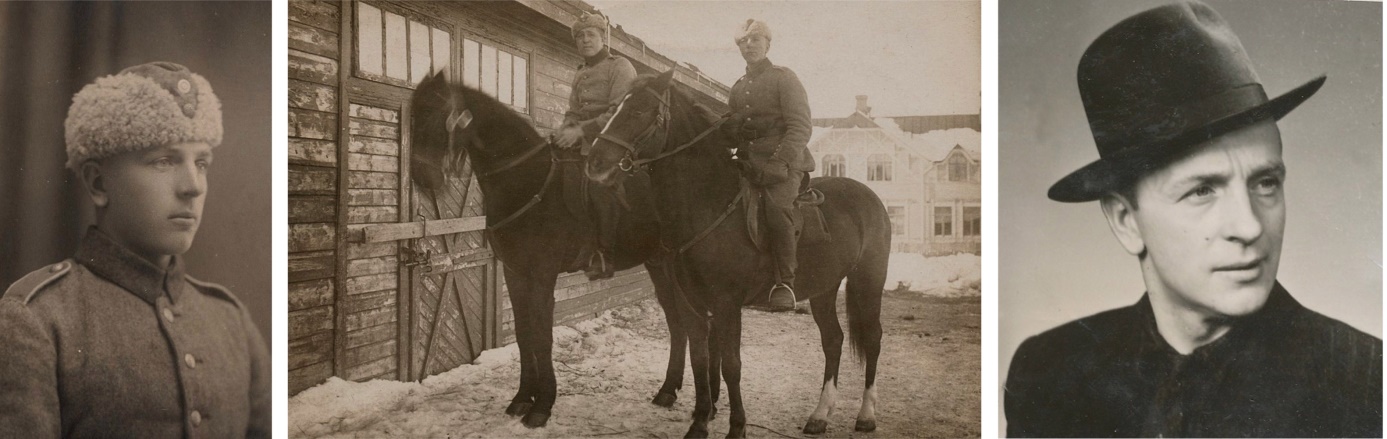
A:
(602, 80)
(770, 120)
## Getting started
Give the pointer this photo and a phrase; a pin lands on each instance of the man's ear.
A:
(94, 182)
(1122, 220)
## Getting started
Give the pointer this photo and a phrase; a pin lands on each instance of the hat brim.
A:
(1092, 181)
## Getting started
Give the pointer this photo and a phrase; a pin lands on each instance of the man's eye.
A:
(1267, 186)
(163, 162)
(1202, 192)
(203, 164)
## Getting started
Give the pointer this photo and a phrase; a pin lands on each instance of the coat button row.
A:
(195, 417)
(190, 361)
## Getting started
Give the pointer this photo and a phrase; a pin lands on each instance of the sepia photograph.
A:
(135, 231)
(1190, 232)
(608, 218)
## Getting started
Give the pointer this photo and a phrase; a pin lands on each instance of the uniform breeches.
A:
(781, 221)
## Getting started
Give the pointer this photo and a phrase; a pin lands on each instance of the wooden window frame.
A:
(884, 173)
(462, 36)
(949, 224)
(409, 15)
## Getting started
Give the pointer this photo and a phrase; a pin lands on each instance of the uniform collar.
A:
(601, 55)
(112, 261)
(758, 67)
(1271, 319)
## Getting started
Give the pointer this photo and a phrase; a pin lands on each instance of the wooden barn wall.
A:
(372, 280)
(314, 70)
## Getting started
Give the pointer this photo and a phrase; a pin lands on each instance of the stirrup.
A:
(782, 307)
(600, 269)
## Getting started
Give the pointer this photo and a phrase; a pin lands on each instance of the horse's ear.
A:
(664, 80)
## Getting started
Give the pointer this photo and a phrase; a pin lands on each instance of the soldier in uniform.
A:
(603, 79)
(119, 341)
(770, 120)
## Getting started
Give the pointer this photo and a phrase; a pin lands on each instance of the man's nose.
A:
(191, 181)
(1242, 217)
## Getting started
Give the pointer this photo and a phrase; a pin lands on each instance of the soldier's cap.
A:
(752, 27)
(1159, 83)
(590, 20)
(148, 105)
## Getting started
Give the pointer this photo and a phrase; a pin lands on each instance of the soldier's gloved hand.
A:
(568, 136)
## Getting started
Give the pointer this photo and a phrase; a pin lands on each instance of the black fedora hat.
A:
(1159, 82)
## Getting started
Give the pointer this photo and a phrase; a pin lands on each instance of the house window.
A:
(944, 221)
(395, 49)
(958, 168)
(897, 214)
(972, 221)
(496, 71)
(835, 165)
(879, 167)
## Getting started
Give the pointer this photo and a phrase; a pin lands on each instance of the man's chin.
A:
(1242, 299)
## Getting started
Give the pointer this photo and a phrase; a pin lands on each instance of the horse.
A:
(528, 225)
(698, 190)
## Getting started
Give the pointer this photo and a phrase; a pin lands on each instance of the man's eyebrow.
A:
(1274, 168)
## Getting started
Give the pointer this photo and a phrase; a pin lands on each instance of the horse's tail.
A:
(867, 278)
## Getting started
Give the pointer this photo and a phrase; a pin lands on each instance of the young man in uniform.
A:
(118, 341)
(602, 80)
(1190, 178)
(770, 120)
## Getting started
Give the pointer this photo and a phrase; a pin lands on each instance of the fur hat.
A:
(752, 27)
(590, 20)
(148, 105)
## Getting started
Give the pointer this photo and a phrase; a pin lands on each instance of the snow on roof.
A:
(935, 145)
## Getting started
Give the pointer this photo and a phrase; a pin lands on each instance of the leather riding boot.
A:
(604, 215)
(780, 223)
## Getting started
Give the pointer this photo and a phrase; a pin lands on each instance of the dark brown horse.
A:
(697, 184)
(531, 230)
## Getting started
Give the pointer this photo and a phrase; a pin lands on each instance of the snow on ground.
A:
(608, 369)
(954, 275)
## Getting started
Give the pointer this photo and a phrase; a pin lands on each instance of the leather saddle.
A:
(812, 228)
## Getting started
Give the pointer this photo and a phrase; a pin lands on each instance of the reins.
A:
(463, 119)
(628, 164)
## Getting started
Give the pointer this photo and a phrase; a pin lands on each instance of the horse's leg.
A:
(714, 369)
(864, 290)
(678, 341)
(546, 386)
(697, 328)
(831, 335)
(523, 308)
(728, 326)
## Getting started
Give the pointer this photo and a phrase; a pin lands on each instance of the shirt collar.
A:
(758, 67)
(112, 261)
(1247, 329)
(601, 55)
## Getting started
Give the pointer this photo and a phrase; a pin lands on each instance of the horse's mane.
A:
(436, 96)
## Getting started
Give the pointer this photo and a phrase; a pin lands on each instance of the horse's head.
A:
(638, 129)
(439, 130)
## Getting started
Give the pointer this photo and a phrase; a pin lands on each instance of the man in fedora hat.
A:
(602, 80)
(119, 341)
(1190, 178)
(770, 120)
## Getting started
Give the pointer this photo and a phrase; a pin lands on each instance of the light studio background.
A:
(49, 51)
(1058, 261)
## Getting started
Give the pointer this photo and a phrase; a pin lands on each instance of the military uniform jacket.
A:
(1282, 371)
(112, 346)
(598, 87)
(770, 115)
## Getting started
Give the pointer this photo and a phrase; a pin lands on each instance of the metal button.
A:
(189, 360)
(184, 86)
(168, 315)
(195, 418)
(58, 267)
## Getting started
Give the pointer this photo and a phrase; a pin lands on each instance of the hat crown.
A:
(590, 20)
(751, 27)
(1162, 72)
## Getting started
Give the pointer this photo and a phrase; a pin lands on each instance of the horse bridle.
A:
(629, 162)
(458, 120)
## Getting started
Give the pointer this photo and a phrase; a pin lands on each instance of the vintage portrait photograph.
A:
(135, 229)
(607, 218)
(1190, 236)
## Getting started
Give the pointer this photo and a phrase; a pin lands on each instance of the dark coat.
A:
(112, 346)
(770, 114)
(598, 86)
(1282, 371)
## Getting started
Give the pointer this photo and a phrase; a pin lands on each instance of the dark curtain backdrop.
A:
(49, 50)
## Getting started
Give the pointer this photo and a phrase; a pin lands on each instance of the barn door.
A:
(451, 276)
